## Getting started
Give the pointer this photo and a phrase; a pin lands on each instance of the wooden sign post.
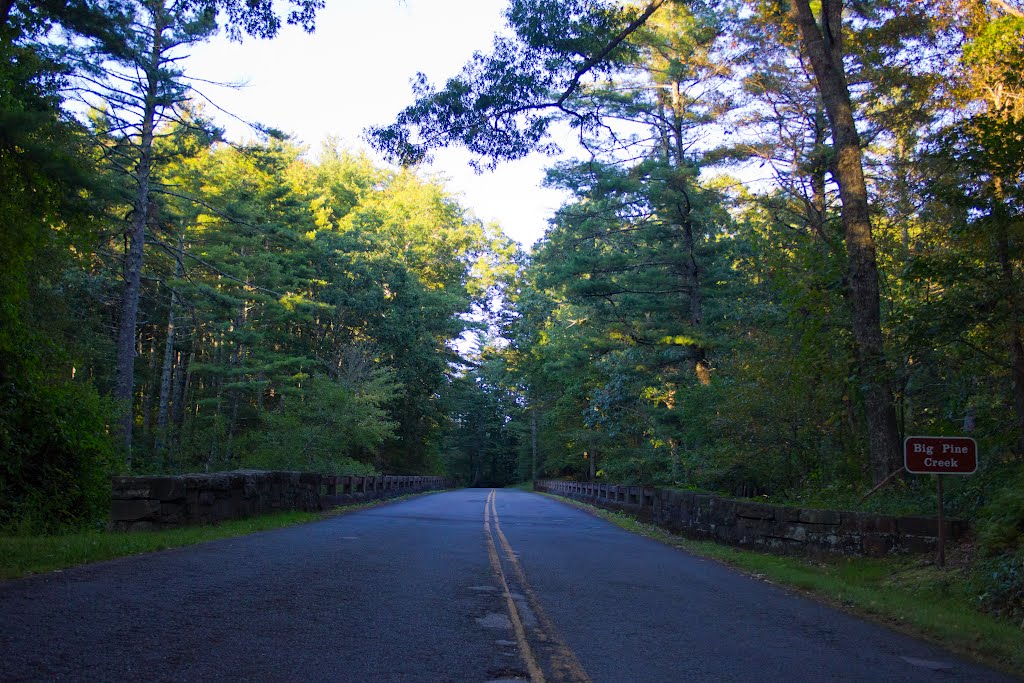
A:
(940, 455)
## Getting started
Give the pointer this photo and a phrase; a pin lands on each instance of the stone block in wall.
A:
(250, 485)
(172, 513)
(877, 544)
(787, 514)
(826, 539)
(722, 511)
(865, 523)
(918, 544)
(918, 526)
(673, 504)
(222, 510)
(684, 504)
(160, 488)
(135, 509)
(329, 485)
(726, 534)
(750, 530)
(242, 506)
(166, 488)
(633, 495)
(128, 488)
(700, 513)
(820, 517)
(755, 511)
(791, 532)
(220, 482)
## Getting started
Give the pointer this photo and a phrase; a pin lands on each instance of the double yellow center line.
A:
(562, 664)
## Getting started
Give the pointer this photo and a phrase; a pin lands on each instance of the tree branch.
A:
(603, 54)
(1008, 8)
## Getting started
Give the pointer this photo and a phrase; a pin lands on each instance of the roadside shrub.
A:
(1000, 585)
(1000, 571)
(56, 456)
(1001, 521)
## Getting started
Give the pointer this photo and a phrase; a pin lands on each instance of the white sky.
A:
(355, 71)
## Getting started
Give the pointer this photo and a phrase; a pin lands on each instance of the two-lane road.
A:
(471, 585)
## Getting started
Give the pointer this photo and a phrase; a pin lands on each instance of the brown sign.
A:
(940, 455)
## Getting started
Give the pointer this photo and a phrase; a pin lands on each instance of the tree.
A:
(977, 175)
(55, 458)
(503, 104)
(139, 85)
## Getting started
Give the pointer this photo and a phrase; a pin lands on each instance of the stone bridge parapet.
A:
(161, 502)
(775, 528)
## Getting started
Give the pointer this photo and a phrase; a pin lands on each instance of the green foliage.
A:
(314, 306)
(57, 457)
(994, 499)
(502, 104)
(1001, 520)
(483, 438)
(999, 574)
(293, 313)
(324, 428)
(999, 582)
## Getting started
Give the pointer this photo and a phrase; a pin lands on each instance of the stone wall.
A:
(765, 527)
(170, 501)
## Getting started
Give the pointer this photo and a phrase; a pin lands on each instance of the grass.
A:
(911, 595)
(25, 555)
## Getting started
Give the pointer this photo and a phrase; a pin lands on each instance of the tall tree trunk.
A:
(183, 371)
(236, 358)
(167, 374)
(146, 390)
(823, 47)
(673, 451)
(533, 444)
(136, 241)
(680, 210)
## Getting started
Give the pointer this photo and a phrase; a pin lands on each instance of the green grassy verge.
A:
(910, 595)
(24, 555)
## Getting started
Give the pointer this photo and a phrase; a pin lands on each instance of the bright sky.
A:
(355, 71)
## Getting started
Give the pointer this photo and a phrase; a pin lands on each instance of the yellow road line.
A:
(567, 666)
(536, 674)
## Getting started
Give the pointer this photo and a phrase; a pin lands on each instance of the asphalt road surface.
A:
(471, 585)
